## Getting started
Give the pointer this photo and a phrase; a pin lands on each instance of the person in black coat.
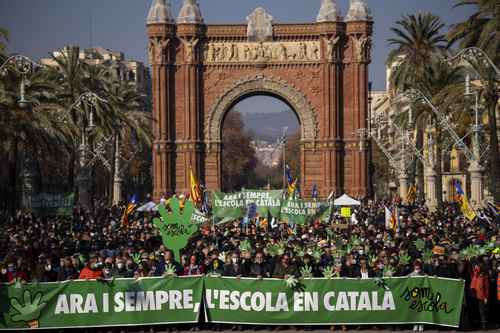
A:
(350, 269)
(259, 268)
(234, 268)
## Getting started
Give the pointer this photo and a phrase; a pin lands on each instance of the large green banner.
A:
(302, 211)
(334, 301)
(150, 301)
(234, 205)
(118, 302)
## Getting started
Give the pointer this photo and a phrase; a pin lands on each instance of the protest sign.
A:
(334, 301)
(150, 301)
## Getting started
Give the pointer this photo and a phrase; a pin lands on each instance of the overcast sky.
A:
(38, 26)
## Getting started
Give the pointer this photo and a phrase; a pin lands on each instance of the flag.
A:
(196, 194)
(315, 192)
(411, 196)
(131, 206)
(292, 184)
(391, 219)
(466, 209)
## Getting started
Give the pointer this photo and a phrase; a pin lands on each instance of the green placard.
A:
(302, 211)
(335, 301)
(92, 303)
(234, 205)
(150, 301)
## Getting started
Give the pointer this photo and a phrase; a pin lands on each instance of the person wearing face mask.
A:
(234, 268)
(108, 269)
(14, 274)
(119, 270)
(92, 270)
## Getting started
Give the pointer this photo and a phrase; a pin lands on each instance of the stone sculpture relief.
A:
(262, 52)
(260, 25)
(189, 48)
(331, 46)
(157, 50)
(362, 48)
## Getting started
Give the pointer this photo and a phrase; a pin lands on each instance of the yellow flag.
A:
(195, 189)
(466, 209)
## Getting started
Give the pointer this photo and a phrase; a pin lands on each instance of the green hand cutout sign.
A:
(176, 227)
(28, 312)
(136, 258)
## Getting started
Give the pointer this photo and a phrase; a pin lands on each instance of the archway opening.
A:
(252, 150)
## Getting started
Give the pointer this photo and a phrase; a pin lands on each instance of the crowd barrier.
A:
(175, 300)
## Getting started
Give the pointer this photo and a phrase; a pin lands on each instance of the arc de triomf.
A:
(320, 69)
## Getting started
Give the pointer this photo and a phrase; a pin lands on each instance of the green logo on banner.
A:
(29, 311)
(176, 226)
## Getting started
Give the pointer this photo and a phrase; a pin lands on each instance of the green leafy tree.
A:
(481, 29)
(175, 226)
(238, 156)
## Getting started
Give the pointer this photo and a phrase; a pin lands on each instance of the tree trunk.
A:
(493, 150)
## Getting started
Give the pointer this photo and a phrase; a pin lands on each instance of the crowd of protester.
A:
(97, 246)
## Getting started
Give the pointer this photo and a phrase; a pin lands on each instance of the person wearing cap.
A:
(92, 270)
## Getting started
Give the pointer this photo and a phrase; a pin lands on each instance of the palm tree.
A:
(27, 131)
(418, 39)
(481, 30)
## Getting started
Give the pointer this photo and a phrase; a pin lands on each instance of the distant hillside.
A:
(267, 126)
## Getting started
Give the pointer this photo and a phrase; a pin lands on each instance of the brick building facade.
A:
(320, 69)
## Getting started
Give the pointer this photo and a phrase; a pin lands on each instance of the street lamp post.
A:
(282, 141)
(474, 55)
(474, 159)
(121, 163)
(24, 66)
(475, 168)
(83, 179)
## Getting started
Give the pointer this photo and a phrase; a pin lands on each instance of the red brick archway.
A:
(320, 69)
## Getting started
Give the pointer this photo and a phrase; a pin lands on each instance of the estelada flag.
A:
(131, 206)
(391, 219)
(411, 196)
(195, 195)
(466, 209)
